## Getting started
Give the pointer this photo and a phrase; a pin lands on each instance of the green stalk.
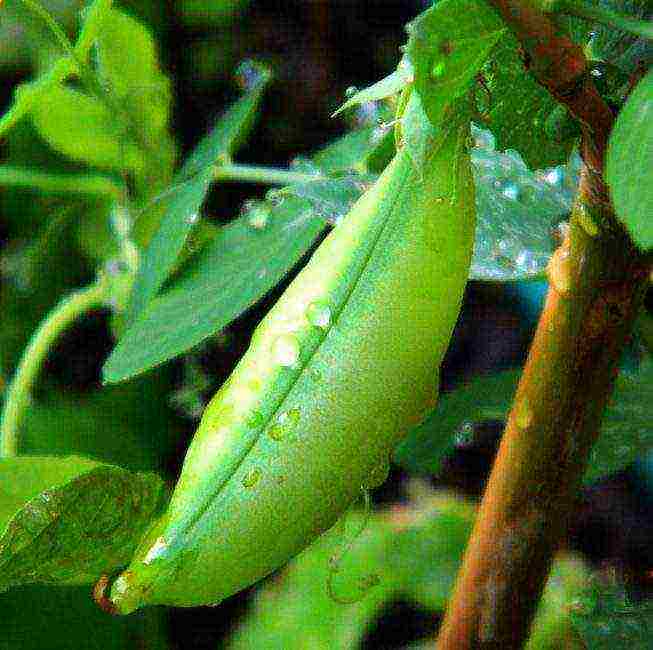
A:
(18, 394)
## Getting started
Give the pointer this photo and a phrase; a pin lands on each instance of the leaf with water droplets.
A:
(517, 209)
(517, 109)
(186, 196)
(68, 520)
(242, 263)
(448, 45)
(630, 161)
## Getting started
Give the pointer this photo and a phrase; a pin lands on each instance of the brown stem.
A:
(597, 283)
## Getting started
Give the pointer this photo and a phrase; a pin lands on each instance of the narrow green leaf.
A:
(189, 189)
(244, 261)
(630, 161)
(93, 24)
(448, 45)
(82, 128)
(68, 520)
(394, 83)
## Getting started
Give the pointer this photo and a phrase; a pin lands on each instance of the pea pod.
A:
(341, 368)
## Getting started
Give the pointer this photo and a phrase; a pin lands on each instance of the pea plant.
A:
(513, 142)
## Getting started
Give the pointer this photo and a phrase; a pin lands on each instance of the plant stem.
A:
(17, 398)
(262, 175)
(95, 185)
(597, 284)
(583, 9)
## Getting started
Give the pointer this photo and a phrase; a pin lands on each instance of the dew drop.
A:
(586, 221)
(192, 218)
(316, 375)
(251, 74)
(511, 191)
(319, 315)
(285, 350)
(351, 91)
(378, 475)
(464, 435)
(559, 271)
(277, 431)
(438, 69)
(258, 216)
(293, 415)
(255, 419)
(252, 477)
(553, 176)
(275, 197)
(524, 415)
(157, 549)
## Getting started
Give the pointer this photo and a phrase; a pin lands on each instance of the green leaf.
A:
(484, 397)
(630, 161)
(414, 552)
(518, 109)
(517, 209)
(188, 192)
(625, 434)
(606, 620)
(32, 93)
(84, 129)
(391, 85)
(368, 149)
(448, 45)
(94, 17)
(244, 261)
(68, 520)
(128, 64)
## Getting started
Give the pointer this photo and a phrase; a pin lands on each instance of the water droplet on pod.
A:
(258, 215)
(319, 315)
(351, 91)
(252, 477)
(192, 218)
(285, 350)
(438, 69)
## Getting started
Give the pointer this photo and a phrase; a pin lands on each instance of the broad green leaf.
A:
(84, 129)
(391, 85)
(448, 45)
(245, 260)
(127, 63)
(517, 209)
(68, 520)
(187, 194)
(32, 93)
(518, 107)
(605, 619)
(625, 433)
(630, 161)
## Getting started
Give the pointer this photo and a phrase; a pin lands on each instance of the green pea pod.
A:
(341, 368)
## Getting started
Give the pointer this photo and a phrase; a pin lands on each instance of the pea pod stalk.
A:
(344, 364)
